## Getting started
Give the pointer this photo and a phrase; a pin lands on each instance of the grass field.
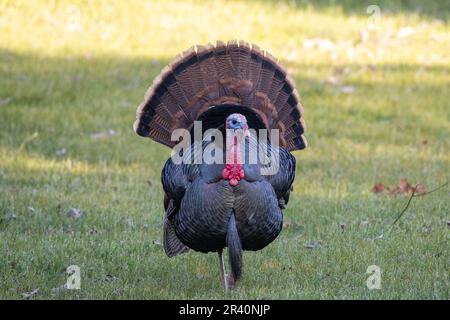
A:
(377, 109)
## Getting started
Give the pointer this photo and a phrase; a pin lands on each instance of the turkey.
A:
(235, 91)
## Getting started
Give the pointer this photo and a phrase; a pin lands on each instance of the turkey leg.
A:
(223, 275)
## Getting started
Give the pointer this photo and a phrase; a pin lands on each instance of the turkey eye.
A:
(233, 122)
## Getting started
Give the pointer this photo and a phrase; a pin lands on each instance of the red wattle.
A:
(225, 173)
(234, 173)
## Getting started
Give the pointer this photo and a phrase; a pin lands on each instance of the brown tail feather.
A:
(222, 58)
(207, 64)
(240, 57)
(235, 73)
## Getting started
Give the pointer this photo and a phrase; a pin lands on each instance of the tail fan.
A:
(225, 74)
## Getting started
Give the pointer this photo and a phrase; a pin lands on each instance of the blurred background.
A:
(374, 81)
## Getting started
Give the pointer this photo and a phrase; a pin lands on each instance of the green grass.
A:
(69, 70)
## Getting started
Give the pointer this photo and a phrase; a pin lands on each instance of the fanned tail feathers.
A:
(234, 73)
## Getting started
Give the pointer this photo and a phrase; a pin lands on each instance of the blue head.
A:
(237, 121)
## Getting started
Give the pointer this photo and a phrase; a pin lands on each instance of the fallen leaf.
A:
(11, 216)
(420, 189)
(74, 213)
(109, 277)
(427, 229)
(59, 289)
(31, 294)
(68, 230)
(378, 188)
(342, 225)
(381, 236)
(294, 226)
(404, 186)
(31, 210)
(287, 224)
(104, 134)
(92, 231)
(393, 191)
(157, 242)
(314, 244)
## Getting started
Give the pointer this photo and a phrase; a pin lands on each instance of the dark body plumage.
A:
(203, 203)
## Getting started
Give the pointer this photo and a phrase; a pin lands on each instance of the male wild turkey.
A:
(228, 86)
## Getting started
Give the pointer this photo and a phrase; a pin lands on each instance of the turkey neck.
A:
(235, 150)
(233, 170)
